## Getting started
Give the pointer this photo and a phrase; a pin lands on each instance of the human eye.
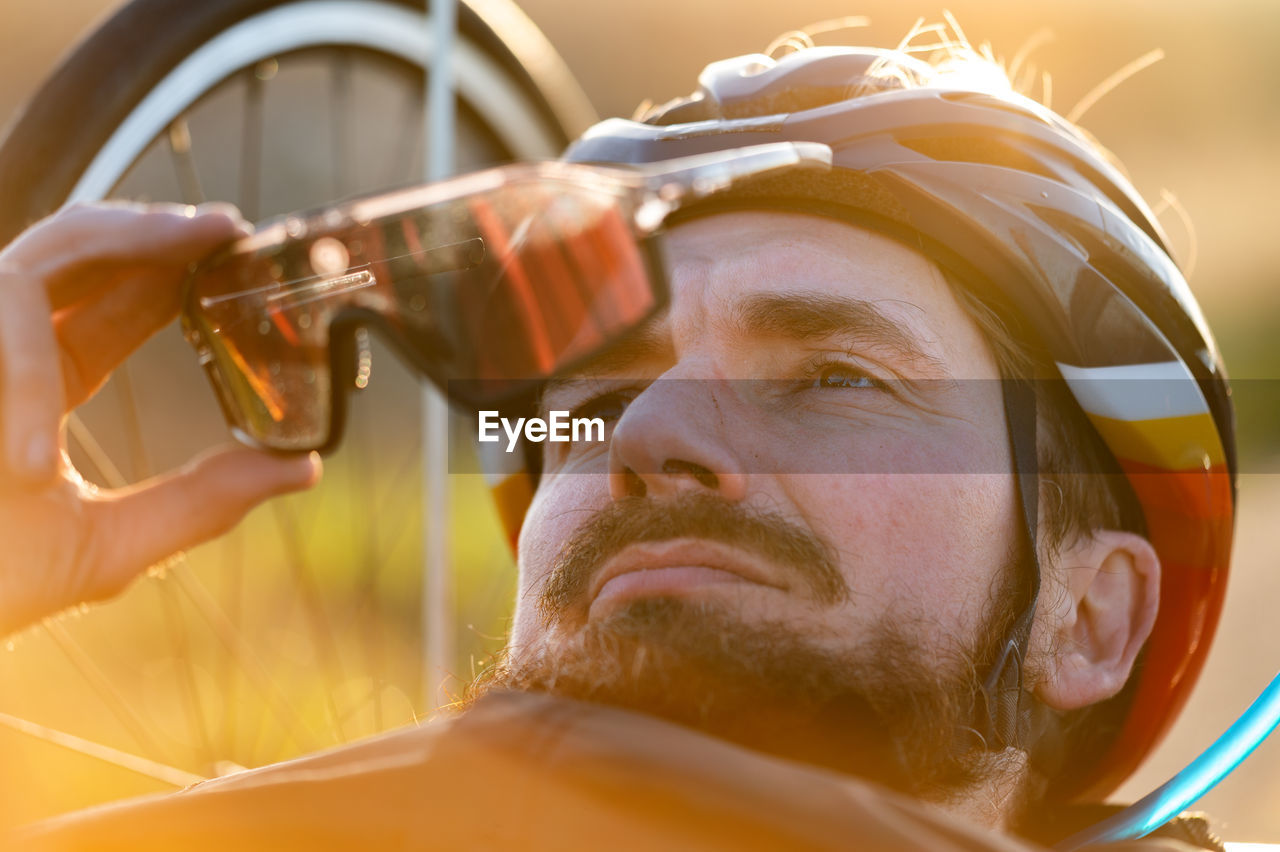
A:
(590, 398)
(607, 406)
(839, 374)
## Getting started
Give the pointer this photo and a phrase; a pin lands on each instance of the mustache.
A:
(631, 520)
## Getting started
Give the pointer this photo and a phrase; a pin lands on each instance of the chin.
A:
(877, 711)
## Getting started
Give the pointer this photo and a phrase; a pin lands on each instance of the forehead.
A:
(720, 262)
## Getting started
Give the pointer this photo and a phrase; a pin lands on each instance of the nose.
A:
(673, 438)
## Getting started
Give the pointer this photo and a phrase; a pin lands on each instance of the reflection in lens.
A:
(506, 286)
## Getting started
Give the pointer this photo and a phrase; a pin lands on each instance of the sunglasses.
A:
(489, 284)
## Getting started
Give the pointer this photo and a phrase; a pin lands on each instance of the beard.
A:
(884, 709)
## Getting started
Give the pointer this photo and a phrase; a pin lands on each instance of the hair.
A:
(1082, 489)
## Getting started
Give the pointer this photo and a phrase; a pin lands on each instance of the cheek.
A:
(560, 505)
(923, 547)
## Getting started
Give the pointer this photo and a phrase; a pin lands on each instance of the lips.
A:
(674, 568)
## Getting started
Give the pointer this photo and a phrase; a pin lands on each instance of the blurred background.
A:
(303, 629)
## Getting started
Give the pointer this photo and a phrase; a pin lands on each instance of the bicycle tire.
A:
(53, 140)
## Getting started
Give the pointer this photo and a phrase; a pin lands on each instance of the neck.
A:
(995, 801)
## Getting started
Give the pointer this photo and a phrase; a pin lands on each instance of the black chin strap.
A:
(1003, 717)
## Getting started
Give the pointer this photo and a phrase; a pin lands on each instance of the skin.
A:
(81, 290)
(754, 446)
(918, 537)
(817, 445)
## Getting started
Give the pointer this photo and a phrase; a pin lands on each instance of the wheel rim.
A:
(393, 30)
(270, 728)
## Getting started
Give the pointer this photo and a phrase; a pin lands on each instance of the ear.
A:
(1111, 592)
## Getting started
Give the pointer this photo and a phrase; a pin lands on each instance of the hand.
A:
(79, 291)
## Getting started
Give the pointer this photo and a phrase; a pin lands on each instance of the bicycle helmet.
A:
(1000, 190)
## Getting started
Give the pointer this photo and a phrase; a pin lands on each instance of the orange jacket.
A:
(529, 772)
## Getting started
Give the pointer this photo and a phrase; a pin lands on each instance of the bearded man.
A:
(925, 452)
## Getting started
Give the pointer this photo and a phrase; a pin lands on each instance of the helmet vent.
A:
(990, 152)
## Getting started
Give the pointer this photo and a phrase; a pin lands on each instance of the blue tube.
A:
(1198, 778)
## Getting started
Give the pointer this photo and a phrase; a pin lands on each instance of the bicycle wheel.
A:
(301, 629)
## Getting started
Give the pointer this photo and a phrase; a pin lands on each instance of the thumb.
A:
(147, 523)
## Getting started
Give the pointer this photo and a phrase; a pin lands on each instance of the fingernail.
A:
(301, 471)
(230, 211)
(316, 467)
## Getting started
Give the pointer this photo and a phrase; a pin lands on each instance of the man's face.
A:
(797, 459)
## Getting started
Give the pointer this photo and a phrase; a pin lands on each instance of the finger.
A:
(157, 238)
(90, 221)
(146, 524)
(31, 391)
(100, 331)
(55, 249)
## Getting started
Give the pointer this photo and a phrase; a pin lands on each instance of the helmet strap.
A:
(1003, 716)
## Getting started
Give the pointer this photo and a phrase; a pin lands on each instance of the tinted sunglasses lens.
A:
(535, 277)
(490, 291)
(265, 340)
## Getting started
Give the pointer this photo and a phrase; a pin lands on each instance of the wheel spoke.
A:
(233, 571)
(124, 760)
(108, 474)
(191, 703)
(251, 142)
(294, 726)
(184, 163)
(339, 123)
(231, 637)
(361, 460)
(139, 458)
(405, 165)
(178, 640)
(116, 703)
(387, 503)
(317, 623)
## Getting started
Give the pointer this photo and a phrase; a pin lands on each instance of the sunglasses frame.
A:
(662, 188)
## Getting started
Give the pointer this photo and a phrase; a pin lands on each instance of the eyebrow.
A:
(802, 316)
(650, 341)
(797, 316)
